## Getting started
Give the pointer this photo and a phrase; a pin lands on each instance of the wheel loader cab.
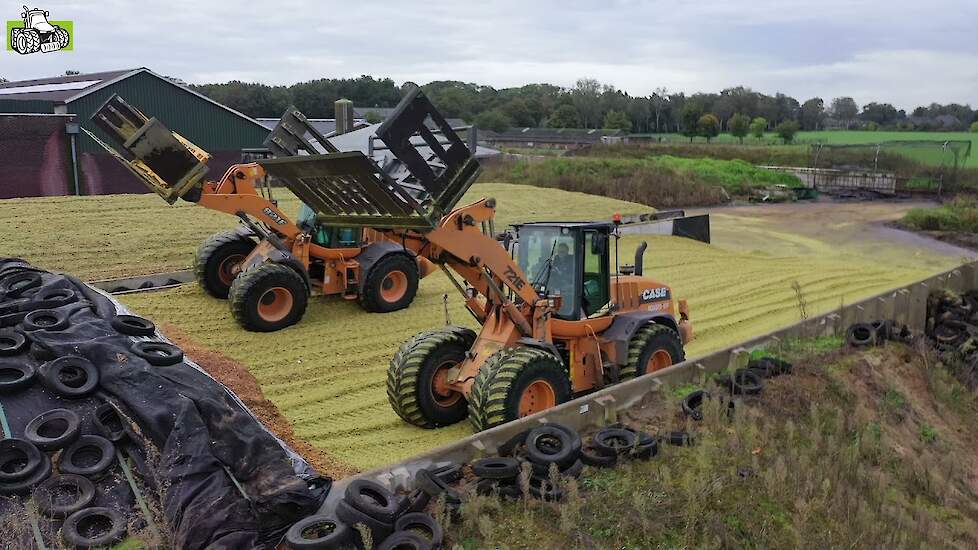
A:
(569, 259)
(328, 236)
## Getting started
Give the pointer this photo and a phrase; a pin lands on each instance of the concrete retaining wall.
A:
(906, 305)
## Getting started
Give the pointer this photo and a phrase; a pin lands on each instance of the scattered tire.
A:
(50, 495)
(614, 441)
(352, 516)
(746, 382)
(268, 297)
(498, 468)
(513, 444)
(646, 448)
(18, 284)
(217, 260)
(679, 439)
(417, 386)
(53, 430)
(547, 445)
(652, 347)
(391, 284)
(592, 457)
(418, 500)
(405, 540)
(450, 473)
(90, 456)
(130, 325)
(424, 525)
(15, 376)
(435, 487)
(53, 297)
(158, 354)
(514, 383)
(372, 499)
(317, 533)
(692, 404)
(861, 335)
(19, 459)
(490, 487)
(542, 488)
(93, 527)
(12, 342)
(108, 422)
(72, 377)
(20, 487)
(45, 319)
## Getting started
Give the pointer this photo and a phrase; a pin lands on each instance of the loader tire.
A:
(391, 284)
(653, 347)
(30, 41)
(268, 297)
(215, 259)
(516, 382)
(414, 378)
(62, 37)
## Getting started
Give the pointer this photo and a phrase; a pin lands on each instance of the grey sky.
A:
(907, 52)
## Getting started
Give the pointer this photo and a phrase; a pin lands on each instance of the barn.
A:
(43, 153)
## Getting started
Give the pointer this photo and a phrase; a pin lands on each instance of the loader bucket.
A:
(165, 162)
(288, 139)
(414, 186)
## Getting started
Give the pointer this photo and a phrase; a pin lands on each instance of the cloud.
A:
(901, 51)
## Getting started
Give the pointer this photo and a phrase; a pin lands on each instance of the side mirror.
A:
(599, 244)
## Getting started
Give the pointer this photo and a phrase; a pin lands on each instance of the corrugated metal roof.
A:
(60, 89)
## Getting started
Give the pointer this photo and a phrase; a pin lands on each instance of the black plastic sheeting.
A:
(187, 430)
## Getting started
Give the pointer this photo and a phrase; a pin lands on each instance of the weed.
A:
(928, 434)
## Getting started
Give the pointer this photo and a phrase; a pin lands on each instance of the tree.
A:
(812, 114)
(494, 119)
(758, 126)
(845, 110)
(585, 96)
(372, 117)
(518, 110)
(739, 125)
(880, 113)
(690, 119)
(660, 102)
(974, 127)
(871, 126)
(787, 130)
(708, 126)
(617, 120)
(565, 116)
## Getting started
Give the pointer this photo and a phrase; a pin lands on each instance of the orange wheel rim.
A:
(227, 271)
(275, 304)
(659, 360)
(441, 391)
(538, 396)
(394, 286)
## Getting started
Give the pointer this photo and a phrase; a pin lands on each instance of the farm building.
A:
(550, 138)
(39, 135)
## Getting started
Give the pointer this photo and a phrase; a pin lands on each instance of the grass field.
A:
(327, 374)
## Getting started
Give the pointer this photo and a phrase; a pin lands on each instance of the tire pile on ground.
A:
(952, 329)
(875, 333)
(745, 381)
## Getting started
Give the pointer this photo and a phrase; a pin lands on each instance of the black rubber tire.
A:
(861, 335)
(42, 472)
(433, 532)
(15, 375)
(371, 297)
(513, 445)
(250, 288)
(412, 369)
(18, 305)
(435, 487)
(158, 354)
(18, 284)
(548, 444)
(497, 389)
(491, 487)
(372, 499)
(646, 341)
(542, 489)
(498, 468)
(45, 495)
(746, 382)
(319, 532)
(45, 319)
(405, 540)
(130, 325)
(543, 470)
(883, 328)
(449, 473)
(679, 439)
(53, 297)
(103, 449)
(109, 423)
(614, 441)
(693, 402)
(77, 522)
(19, 459)
(646, 448)
(43, 430)
(351, 516)
(71, 377)
(418, 501)
(212, 256)
(591, 457)
(12, 342)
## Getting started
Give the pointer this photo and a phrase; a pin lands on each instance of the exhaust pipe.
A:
(640, 256)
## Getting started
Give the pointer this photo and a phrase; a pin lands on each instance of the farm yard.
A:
(326, 375)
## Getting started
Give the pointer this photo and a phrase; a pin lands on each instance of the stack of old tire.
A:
(744, 381)
(64, 456)
(394, 522)
(952, 324)
(876, 333)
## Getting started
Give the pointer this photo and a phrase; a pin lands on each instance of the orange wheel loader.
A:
(268, 267)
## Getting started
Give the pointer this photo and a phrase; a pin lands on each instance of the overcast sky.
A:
(908, 52)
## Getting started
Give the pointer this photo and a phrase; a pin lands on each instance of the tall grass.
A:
(961, 214)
